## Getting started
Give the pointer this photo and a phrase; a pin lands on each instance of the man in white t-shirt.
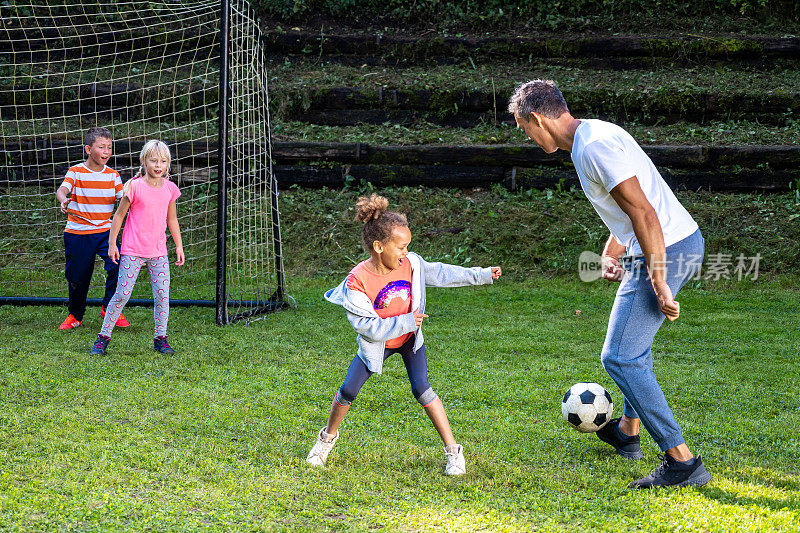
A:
(662, 248)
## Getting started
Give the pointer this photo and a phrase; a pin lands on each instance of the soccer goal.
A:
(188, 72)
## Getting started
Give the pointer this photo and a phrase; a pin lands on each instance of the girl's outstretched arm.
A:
(175, 231)
(445, 275)
(116, 225)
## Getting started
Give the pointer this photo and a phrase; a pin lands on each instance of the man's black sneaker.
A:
(160, 345)
(674, 473)
(100, 345)
(628, 446)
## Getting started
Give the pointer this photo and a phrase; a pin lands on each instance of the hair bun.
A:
(370, 207)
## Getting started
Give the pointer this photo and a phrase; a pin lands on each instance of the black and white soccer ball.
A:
(587, 407)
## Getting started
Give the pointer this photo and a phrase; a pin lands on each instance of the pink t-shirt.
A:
(390, 293)
(145, 229)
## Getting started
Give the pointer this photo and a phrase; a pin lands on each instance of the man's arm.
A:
(613, 248)
(631, 199)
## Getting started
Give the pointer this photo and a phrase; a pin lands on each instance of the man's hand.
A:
(496, 272)
(419, 317)
(611, 268)
(668, 306)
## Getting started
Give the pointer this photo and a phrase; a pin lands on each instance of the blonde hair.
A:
(378, 222)
(157, 146)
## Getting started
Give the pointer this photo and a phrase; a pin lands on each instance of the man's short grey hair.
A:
(537, 96)
(96, 133)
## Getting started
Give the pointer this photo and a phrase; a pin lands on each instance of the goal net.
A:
(188, 72)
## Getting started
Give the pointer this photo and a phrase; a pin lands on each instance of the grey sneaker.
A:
(628, 446)
(455, 460)
(674, 473)
(319, 453)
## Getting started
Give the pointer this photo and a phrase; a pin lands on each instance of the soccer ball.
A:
(587, 407)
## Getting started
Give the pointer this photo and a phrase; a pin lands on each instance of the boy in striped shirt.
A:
(87, 196)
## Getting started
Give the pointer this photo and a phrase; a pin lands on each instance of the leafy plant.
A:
(534, 14)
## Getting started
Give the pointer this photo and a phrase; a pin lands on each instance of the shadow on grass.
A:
(756, 487)
(731, 498)
(767, 478)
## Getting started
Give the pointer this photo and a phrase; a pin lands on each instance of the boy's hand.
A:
(113, 252)
(181, 258)
(64, 205)
(419, 317)
(496, 272)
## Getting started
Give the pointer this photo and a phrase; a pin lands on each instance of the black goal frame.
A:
(278, 300)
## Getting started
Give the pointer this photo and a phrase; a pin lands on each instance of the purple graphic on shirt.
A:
(396, 289)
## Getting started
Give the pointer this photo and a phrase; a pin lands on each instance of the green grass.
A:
(303, 72)
(215, 437)
(530, 232)
(658, 82)
(72, 128)
(633, 96)
(648, 101)
(732, 132)
(746, 17)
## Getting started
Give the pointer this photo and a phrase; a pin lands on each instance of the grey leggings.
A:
(129, 267)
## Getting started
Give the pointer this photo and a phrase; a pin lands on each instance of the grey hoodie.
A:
(373, 331)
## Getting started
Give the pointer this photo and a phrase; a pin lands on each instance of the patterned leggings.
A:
(129, 267)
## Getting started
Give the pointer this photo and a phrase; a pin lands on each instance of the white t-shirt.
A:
(605, 155)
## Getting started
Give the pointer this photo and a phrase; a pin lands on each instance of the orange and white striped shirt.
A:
(92, 197)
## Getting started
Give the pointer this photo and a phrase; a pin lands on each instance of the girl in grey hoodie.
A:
(384, 299)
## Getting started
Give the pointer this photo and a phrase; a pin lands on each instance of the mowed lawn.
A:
(215, 437)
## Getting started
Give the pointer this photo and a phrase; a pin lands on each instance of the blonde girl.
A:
(149, 203)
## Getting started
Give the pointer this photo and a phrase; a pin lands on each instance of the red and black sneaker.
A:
(70, 323)
(121, 321)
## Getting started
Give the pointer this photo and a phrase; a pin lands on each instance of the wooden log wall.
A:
(316, 164)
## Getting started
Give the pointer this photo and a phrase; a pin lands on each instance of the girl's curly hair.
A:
(378, 222)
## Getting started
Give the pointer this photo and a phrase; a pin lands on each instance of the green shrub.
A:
(532, 14)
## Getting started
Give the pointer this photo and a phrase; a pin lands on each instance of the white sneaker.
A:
(455, 462)
(319, 453)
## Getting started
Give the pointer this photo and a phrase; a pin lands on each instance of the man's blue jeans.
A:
(635, 318)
